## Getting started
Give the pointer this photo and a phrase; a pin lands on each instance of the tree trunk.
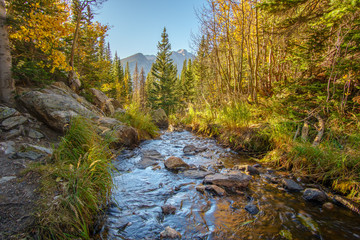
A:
(74, 82)
(7, 85)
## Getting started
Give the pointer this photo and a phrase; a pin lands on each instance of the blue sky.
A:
(136, 25)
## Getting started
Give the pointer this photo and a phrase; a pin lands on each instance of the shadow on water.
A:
(140, 193)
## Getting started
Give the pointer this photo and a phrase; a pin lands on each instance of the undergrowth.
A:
(79, 178)
(139, 119)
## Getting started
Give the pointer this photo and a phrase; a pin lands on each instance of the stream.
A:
(141, 191)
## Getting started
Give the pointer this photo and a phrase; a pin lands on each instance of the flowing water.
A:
(140, 193)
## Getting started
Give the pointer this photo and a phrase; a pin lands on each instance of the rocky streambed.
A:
(184, 186)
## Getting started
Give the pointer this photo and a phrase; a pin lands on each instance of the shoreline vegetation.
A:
(271, 137)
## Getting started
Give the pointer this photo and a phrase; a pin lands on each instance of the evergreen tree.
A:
(136, 97)
(127, 83)
(142, 88)
(163, 94)
(188, 85)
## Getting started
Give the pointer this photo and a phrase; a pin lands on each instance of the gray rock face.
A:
(150, 158)
(56, 105)
(102, 101)
(233, 180)
(13, 122)
(252, 209)
(29, 155)
(291, 185)
(170, 233)
(160, 119)
(126, 136)
(175, 163)
(313, 194)
(7, 147)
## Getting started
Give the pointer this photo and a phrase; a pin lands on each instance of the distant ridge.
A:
(146, 61)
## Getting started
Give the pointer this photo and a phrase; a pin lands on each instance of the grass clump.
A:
(139, 119)
(76, 185)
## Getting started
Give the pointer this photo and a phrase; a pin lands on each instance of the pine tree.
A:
(127, 83)
(163, 94)
(136, 93)
(142, 88)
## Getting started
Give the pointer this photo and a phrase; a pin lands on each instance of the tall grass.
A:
(76, 185)
(139, 119)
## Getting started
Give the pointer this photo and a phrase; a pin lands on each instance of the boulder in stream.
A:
(291, 185)
(168, 209)
(175, 164)
(216, 190)
(233, 180)
(248, 169)
(313, 194)
(170, 233)
(252, 209)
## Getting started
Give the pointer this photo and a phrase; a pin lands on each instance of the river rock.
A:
(102, 101)
(291, 185)
(108, 122)
(126, 136)
(215, 190)
(170, 233)
(313, 194)
(252, 209)
(175, 163)
(13, 122)
(160, 118)
(200, 188)
(192, 150)
(6, 112)
(196, 173)
(56, 105)
(247, 169)
(168, 209)
(232, 180)
(150, 158)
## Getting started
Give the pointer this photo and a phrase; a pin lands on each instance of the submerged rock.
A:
(150, 158)
(170, 233)
(196, 173)
(232, 180)
(192, 150)
(291, 185)
(252, 209)
(313, 194)
(175, 163)
(168, 209)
